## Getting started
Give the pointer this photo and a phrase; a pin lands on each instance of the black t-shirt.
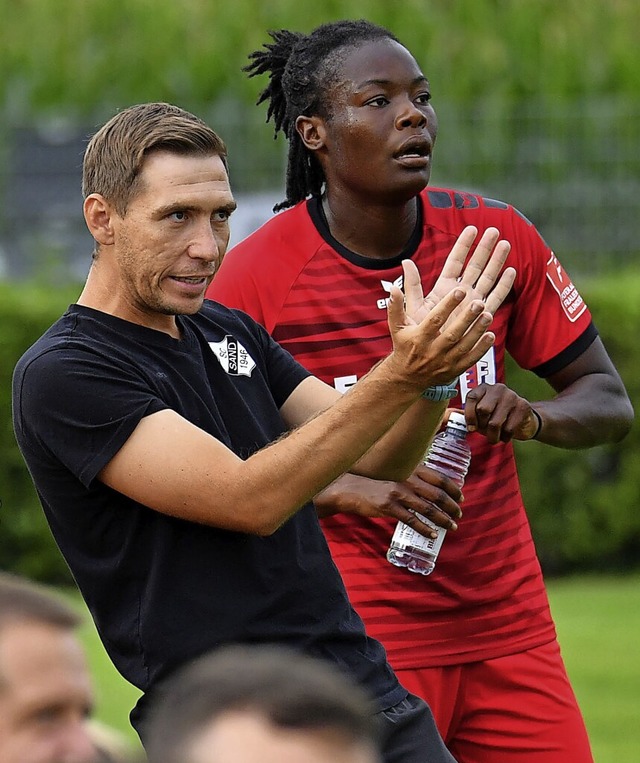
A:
(163, 590)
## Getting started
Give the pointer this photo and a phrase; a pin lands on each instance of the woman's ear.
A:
(311, 131)
(98, 215)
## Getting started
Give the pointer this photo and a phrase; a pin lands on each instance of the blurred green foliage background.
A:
(84, 58)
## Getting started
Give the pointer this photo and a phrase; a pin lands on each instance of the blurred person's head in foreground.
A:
(261, 704)
(46, 694)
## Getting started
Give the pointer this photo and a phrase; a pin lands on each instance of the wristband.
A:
(539, 417)
(439, 392)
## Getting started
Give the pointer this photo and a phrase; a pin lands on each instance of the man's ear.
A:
(312, 132)
(99, 214)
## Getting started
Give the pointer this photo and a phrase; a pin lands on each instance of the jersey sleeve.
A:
(257, 274)
(234, 286)
(79, 408)
(550, 323)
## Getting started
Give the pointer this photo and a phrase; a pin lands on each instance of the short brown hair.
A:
(24, 601)
(115, 155)
(20, 599)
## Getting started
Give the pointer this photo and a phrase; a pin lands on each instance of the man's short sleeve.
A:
(78, 408)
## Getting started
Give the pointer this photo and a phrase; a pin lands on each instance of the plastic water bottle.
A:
(450, 455)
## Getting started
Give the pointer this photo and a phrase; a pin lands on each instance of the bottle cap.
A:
(457, 421)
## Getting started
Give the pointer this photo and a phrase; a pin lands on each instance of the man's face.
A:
(45, 696)
(172, 237)
(245, 736)
(380, 135)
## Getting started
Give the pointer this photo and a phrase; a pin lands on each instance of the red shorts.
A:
(515, 709)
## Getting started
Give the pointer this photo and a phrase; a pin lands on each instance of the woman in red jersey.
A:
(476, 638)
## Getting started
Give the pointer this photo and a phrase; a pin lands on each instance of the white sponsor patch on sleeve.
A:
(571, 301)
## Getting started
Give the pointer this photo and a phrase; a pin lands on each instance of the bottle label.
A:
(405, 536)
(449, 454)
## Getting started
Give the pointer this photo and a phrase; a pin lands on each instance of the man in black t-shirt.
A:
(154, 427)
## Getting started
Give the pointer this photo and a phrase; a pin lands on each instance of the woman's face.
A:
(379, 137)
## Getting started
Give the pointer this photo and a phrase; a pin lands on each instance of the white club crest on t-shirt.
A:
(233, 357)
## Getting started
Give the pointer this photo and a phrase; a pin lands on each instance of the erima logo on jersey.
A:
(233, 357)
(386, 285)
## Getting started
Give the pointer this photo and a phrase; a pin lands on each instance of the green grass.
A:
(115, 697)
(598, 621)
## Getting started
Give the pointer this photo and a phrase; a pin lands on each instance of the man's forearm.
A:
(395, 455)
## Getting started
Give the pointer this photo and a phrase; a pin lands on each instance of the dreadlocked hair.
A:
(301, 70)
